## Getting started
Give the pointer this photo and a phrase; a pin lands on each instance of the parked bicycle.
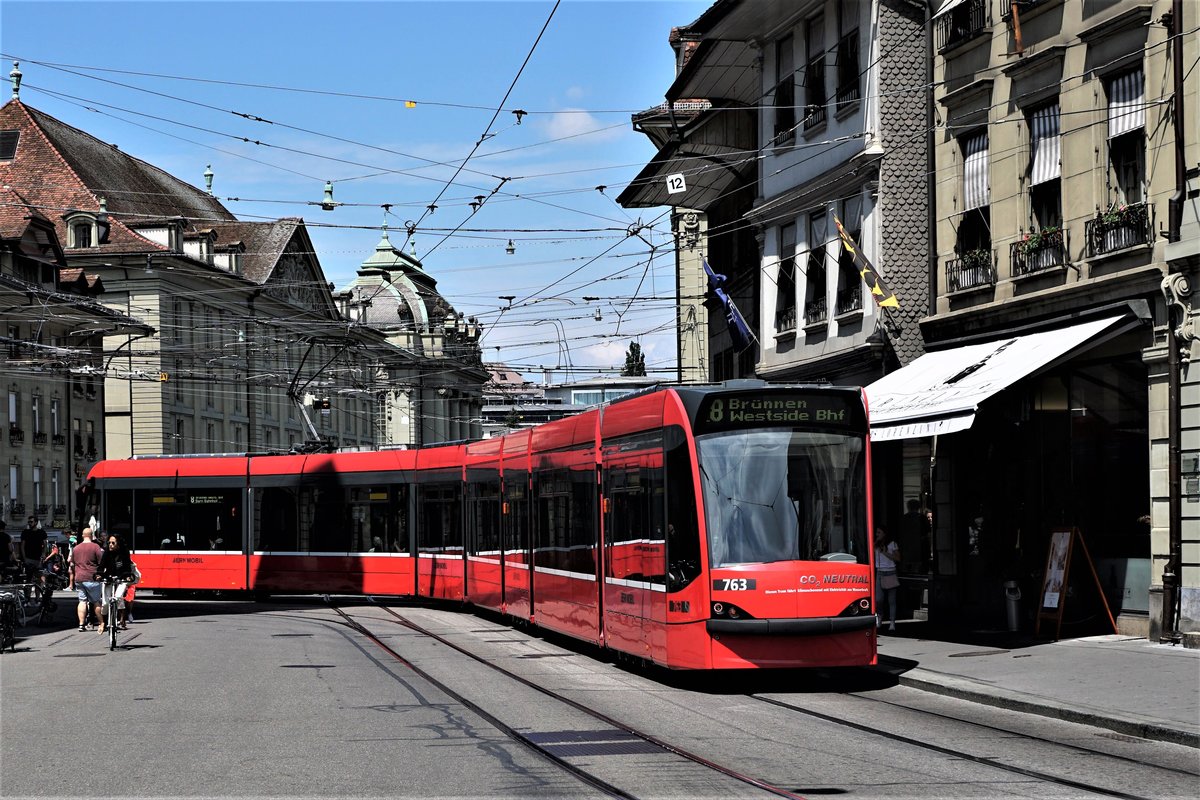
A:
(9, 603)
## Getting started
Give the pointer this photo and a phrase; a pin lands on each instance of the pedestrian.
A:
(33, 548)
(85, 561)
(116, 564)
(887, 555)
(6, 548)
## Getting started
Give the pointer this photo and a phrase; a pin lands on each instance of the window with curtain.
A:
(785, 303)
(785, 90)
(814, 73)
(1127, 137)
(850, 284)
(1045, 167)
(816, 307)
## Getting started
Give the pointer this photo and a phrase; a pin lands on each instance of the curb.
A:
(963, 689)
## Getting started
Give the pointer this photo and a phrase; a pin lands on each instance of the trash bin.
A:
(1012, 594)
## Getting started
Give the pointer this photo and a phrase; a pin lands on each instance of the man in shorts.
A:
(85, 560)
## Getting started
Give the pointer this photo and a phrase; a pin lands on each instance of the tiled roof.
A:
(59, 168)
(264, 243)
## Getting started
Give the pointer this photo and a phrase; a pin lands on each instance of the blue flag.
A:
(739, 331)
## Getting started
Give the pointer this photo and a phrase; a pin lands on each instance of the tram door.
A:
(634, 547)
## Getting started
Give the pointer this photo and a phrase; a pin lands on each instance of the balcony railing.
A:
(1117, 229)
(961, 23)
(1039, 251)
(785, 319)
(971, 270)
(60, 510)
(41, 510)
(849, 298)
(15, 435)
(39, 438)
(16, 510)
(816, 310)
(58, 440)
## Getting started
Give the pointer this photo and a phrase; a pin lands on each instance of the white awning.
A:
(1126, 104)
(975, 171)
(1043, 129)
(946, 6)
(940, 392)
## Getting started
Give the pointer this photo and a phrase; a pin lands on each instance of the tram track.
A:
(989, 761)
(874, 729)
(532, 741)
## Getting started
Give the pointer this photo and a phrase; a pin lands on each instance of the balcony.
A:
(39, 438)
(816, 311)
(41, 510)
(961, 24)
(15, 435)
(1118, 228)
(16, 510)
(60, 510)
(975, 269)
(1038, 251)
(849, 299)
(785, 320)
(58, 440)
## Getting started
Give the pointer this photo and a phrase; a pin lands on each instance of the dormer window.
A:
(81, 229)
(8, 145)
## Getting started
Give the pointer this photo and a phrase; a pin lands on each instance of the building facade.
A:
(249, 351)
(53, 359)
(1045, 401)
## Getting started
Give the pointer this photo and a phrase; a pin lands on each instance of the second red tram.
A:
(709, 527)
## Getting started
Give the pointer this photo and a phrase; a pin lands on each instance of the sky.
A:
(402, 106)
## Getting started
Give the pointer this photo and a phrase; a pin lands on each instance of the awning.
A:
(947, 5)
(940, 392)
(1126, 103)
(1043, 129)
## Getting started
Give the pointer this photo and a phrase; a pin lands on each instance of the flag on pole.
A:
(884, 297)
(739, 331)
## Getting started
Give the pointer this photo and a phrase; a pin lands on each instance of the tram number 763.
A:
(733, 584)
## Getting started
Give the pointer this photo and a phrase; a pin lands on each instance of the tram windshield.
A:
(780, 495)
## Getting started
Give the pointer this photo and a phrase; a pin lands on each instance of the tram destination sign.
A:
(840, 411)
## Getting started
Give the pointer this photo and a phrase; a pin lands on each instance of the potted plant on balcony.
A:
(1035, 240)
(979, 259)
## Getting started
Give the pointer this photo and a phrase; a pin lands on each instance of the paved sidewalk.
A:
(1121, 683)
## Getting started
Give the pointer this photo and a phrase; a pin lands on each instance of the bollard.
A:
(1012, 594)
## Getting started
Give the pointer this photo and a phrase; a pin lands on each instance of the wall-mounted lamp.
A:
(512, 248)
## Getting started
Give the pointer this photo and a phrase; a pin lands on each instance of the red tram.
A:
(705, 527)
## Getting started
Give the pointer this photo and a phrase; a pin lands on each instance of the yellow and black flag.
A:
(884, 297)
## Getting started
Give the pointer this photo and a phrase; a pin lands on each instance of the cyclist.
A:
(85, 560)
(115, 565)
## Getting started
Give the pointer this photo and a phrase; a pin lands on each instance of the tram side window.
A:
(439, 530)
(483, 505)
(374, 524)
(201, 519)
(324, 519)
(683, 528)
(118, 519)
(516, 515)
(275, 523)
(566, 531)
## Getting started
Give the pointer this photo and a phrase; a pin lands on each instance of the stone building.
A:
(806, 111)
(1065, 240)
(53, 333)
(249, 350)
(442, 402)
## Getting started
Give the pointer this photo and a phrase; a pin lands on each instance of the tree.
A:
(635, 362)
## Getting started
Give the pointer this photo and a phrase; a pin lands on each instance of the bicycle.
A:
(8, 619)
(112, 599)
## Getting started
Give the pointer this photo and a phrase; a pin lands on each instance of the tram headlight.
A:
(857, 608)
(722, 610)
(718, 609)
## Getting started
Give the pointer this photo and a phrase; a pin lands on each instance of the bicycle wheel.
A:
(112, 625)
